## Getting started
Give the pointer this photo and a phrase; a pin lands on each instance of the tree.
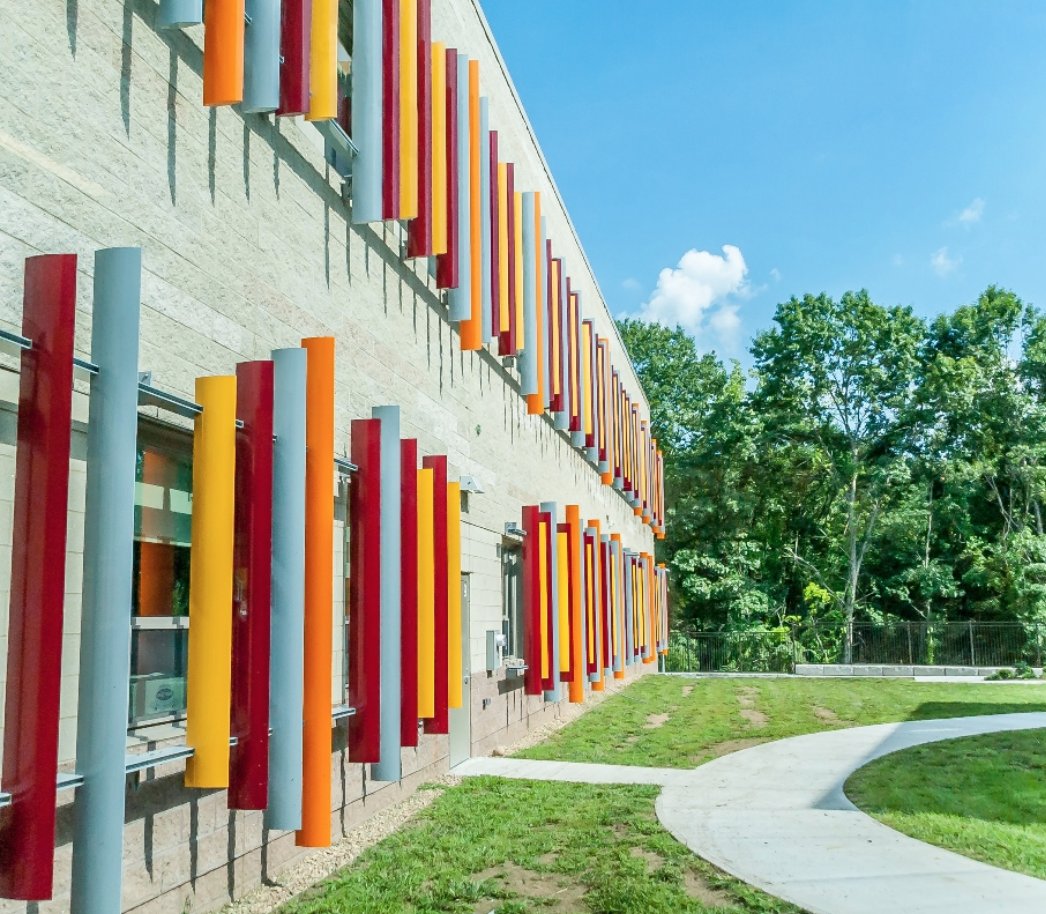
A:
(681, 385)
(699, 415)
(834, 378)
(982, 391)
(878, 467)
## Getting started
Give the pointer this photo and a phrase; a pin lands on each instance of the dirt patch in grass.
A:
(736, 745)
(757, 719)
(687, 690)
(746, 697)
(558, 894)
(654, 861)
(653, 721)
(698, 888)
(827, 715)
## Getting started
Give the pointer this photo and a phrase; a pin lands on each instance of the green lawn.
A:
(546, 848)
(982, 796)
(672, 721)
(520, 847)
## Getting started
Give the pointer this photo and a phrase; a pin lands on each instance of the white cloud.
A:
(725, 323)
(943, 264)
(632, 285)
(775, 274)
(696, 295)
(972, 214)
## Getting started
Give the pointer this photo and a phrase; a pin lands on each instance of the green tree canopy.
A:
(871, 466)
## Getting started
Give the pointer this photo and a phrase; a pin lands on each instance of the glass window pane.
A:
(162, 522)
(512, 600)
(159, 661)
(162, 541)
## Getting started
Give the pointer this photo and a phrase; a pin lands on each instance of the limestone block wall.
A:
(248, 246)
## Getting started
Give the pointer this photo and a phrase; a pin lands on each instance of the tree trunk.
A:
(928, 604)
(850, 597)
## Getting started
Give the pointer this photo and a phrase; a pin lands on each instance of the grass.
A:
(520, 846)
(981, 796)
(676, 722)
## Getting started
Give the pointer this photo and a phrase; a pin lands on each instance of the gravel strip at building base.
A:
(324, 863)
(568, 715)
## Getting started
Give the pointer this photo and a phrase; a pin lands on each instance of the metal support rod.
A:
(14, 344)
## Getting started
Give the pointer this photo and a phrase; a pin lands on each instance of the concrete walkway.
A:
(776, 817)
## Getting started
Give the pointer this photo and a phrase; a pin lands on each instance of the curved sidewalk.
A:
(776, 817)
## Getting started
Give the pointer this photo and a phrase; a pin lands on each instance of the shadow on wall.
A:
(72, 13)
(184, 835)
(184, 52)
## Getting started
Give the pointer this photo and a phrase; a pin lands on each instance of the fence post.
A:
(1038, 644)
(795, 649)
(908, 626)
(973, 656)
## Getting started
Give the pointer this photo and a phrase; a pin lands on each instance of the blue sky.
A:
(893, 146)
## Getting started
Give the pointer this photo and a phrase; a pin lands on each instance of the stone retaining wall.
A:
(894, 670)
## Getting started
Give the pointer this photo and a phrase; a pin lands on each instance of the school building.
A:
(322, 464)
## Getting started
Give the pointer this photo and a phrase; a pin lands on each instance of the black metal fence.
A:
(979, 644)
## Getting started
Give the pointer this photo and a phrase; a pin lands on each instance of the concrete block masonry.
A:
(896, 671)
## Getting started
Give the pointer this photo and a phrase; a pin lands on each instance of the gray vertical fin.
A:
(287, 659)
(105, 639)
(389, 769)
(616, 566)
(261, 57)
(461, 297)
(177, 14)
(367, 170)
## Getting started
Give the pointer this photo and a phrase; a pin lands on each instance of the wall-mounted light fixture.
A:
(471, 485)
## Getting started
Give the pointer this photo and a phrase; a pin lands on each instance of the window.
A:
(160, 591)
(512, 600)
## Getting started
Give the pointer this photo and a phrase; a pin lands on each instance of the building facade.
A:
(311, 411)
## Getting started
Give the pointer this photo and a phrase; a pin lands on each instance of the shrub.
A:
(1021, 670)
